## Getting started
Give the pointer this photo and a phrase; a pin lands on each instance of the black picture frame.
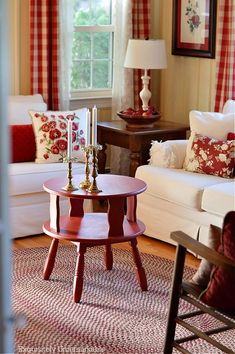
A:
(194, 28)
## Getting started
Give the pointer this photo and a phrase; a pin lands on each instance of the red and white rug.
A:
(114, 316)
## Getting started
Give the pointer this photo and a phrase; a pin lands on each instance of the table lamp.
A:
(145, 54)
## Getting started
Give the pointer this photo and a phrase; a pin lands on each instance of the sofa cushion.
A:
(28, 177)
(176, 185)
(211, 156)
(219, 198)
(51, 132)
(212, 124)
(23, 146)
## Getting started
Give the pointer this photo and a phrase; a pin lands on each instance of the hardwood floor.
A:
(145, 244)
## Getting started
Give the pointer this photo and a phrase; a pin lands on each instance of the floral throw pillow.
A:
(50, 129)
(211, 156)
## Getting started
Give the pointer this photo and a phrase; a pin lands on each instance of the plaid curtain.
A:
(44, 50)
(141, 30)
(225, 70)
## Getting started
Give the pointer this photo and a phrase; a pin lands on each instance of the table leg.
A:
(102, 159)
(79, 273)
(140, 272)
(50, 261)
(134, 162)
(108, 257)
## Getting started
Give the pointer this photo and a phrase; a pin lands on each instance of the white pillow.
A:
(169, 154)
(19, 107)
(50, 129)
(212, 124)
(229, 107)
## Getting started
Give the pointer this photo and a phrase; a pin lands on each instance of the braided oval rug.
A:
(114, 315)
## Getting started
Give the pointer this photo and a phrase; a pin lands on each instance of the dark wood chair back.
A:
(190, 292)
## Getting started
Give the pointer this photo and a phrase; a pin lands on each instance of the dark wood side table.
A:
(137, 141)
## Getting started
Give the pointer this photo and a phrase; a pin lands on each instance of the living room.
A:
(95, 310)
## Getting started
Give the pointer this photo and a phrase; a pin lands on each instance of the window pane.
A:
(92, 12)
(80, 75)
(81, 45)
(101, 76)
(101, 43)
(101, 12)
(81, 13)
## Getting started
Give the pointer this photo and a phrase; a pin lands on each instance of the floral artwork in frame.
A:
(194, 28)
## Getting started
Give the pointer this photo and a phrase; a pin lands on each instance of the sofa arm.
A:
(169, 154)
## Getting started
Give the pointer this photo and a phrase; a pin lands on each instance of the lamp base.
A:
(145, 94)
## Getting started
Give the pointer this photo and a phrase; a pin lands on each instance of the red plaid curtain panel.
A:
(225, 54)
(44, 50)
(141, 30)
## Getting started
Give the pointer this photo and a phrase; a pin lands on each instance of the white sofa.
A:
(177, 199)
(29, 204)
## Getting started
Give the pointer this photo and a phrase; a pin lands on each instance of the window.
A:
(92, 50)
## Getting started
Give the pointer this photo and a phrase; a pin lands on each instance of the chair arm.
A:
(197, 247)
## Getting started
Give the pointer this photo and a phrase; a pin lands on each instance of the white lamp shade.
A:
(146, 54)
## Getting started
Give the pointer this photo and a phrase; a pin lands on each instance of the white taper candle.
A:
(88, 127)
(69, 141)
(94, 126)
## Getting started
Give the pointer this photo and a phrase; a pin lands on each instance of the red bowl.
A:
(139, 122)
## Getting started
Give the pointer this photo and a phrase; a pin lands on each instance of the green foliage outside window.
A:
(92, 51)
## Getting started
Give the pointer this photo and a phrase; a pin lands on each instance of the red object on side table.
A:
(91, 229)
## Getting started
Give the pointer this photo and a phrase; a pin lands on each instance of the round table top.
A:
(110, 185)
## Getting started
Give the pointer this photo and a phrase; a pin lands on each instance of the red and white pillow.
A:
(211, 156)
(50, 129)
(212, 124)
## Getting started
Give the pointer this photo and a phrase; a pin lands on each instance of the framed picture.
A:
(194, 28)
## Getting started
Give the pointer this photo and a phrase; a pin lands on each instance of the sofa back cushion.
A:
(229, 107)
(19, 107)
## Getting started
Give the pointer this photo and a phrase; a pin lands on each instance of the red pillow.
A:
(231, 136)
(212, 156)
(23, 143)
(220, 292)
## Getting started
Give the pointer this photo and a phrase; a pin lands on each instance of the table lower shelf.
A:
(94, 228)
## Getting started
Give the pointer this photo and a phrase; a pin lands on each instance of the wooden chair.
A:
(189, 292)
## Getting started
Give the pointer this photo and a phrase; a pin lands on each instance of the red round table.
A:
(119, 224)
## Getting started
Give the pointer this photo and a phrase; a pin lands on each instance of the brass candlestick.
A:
(86, 183)
(93, 187)
(69, 186)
